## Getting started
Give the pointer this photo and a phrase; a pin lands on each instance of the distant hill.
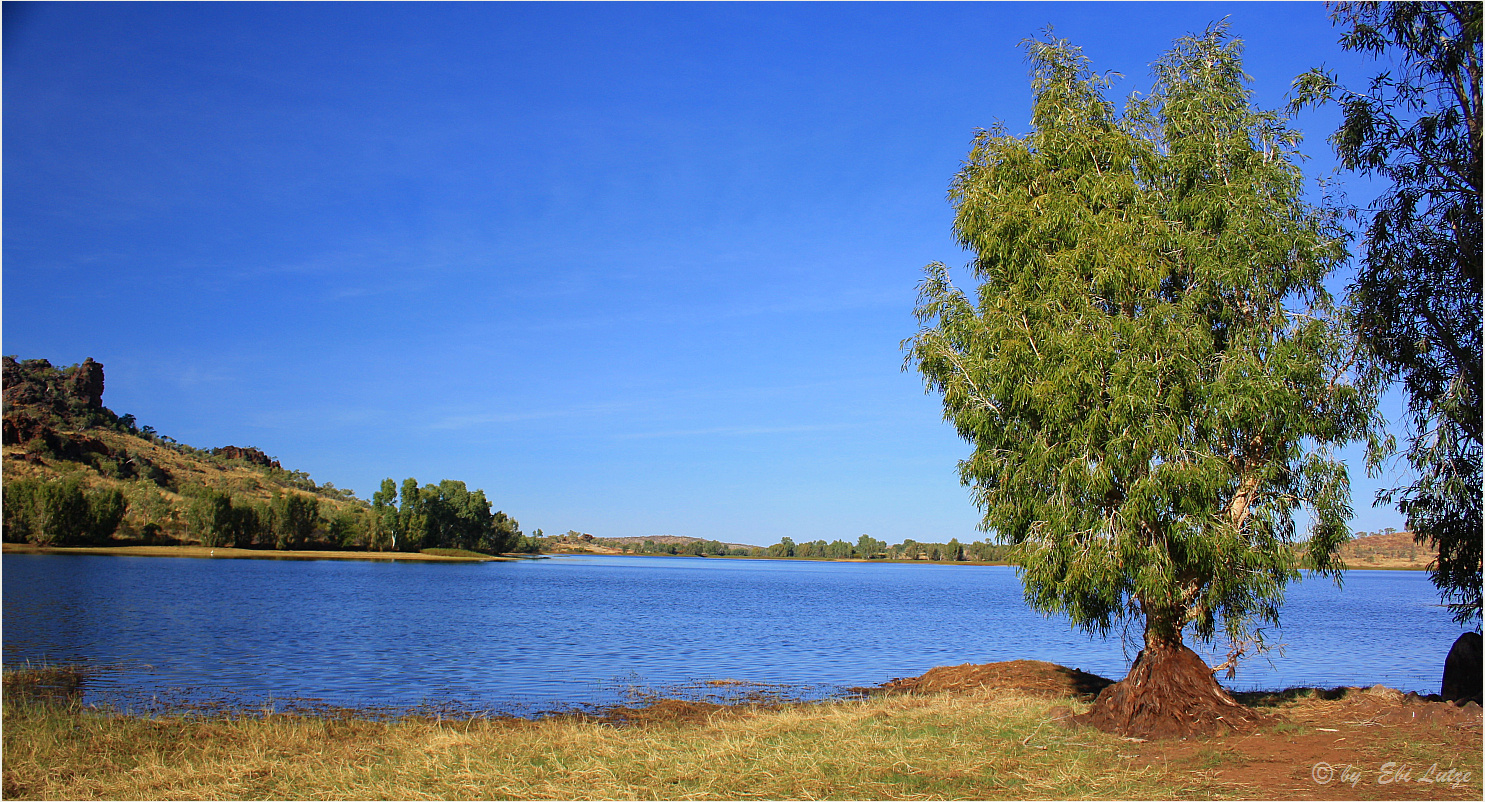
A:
(1395, 550)
(55, 427)
(679, 540)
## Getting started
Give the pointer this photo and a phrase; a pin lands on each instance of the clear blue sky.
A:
(632, 269)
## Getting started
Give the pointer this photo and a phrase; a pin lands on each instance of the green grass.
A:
(455, 553)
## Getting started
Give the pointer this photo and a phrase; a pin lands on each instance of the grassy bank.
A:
(429, 555)
(985, 743)
(899, 748)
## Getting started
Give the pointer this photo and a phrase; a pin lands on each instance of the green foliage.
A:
(106, 509)
(446, 515)
(869, 548)
(1150, 372)
(349, 528)
(412, 523)
(385, 524)
(1417, 294)
(151, 508)
(453, 553)
(60, 512)
(293, 518)
(220, 519)
(251, 522)
(209, 515)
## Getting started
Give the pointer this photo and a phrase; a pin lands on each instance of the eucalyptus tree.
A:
(412, 517)
(211, 518)
(1149, 370)
(293, 518)
(1417, 291)
(384, 513)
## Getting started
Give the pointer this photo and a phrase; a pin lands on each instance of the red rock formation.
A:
(248, 454)
(85, 383)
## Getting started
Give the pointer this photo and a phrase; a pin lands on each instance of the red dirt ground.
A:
(1346, 743)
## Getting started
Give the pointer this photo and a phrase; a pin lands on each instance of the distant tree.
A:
(61, 512)
(1152, 373)
(504, 531)
(869, 547)
(250, 522)
(65, 515)
(1418, 291)
(412, 522)
(348, 528)
(209, 515)
(294, 518)
(20, 507)
(384, 526)
(954, 550)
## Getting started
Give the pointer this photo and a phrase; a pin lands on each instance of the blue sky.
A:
(632, 269)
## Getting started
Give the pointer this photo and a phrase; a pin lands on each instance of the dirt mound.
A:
(1382, 705)
(1027, 676)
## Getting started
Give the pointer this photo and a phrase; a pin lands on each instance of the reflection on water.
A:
(532, 636)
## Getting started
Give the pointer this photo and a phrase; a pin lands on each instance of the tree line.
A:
(445, 515)
(65, 511)
(867, 547)
(696, 548)
(61, 512)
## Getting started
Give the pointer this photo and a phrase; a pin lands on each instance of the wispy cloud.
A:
(734, 431)
(476, 420)
(317, 418)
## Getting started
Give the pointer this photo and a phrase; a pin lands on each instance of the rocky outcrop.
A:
(23, 427)
(248, 454)
(40, 398)
(85, 383)
(1462, 670)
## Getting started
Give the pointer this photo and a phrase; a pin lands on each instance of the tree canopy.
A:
(1417, 293)
(1149, 372)
(445, 515)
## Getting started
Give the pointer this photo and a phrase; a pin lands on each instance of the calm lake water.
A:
(549, 634)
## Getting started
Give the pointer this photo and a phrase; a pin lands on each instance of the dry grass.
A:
(984, 745)
(987, 742)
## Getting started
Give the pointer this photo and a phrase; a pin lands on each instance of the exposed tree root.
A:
(1169, 693)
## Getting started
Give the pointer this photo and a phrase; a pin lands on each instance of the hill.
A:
(1391, 550)
(678, 540)
(56, 432)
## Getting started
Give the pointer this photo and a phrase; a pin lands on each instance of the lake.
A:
(536, 635)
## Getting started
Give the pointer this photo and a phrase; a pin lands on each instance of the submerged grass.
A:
(464, 553)
(985, 745)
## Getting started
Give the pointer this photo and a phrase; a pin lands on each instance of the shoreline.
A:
(1357, 566)
(204, 552)
(232, 553)
(987, 731)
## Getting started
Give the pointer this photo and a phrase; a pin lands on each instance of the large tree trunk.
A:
(1169, 693)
